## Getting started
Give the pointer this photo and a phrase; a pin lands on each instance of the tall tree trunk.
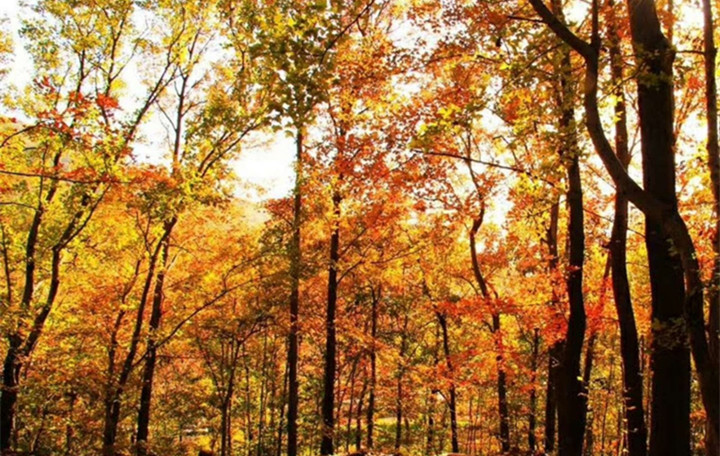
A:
(712, 439)
(399, 385)
(556, 349)
(143, 420)
(373, 368)
(453, 396)
(11, 374)
(670, 358)
(328, 402)
(115, 389)
(572, 404)
(359, 415)
(295, 262)
(632, 377)
(663, 223)
(503, 412)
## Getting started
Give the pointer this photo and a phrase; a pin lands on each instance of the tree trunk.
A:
(670, 358)
(572, 403)
(114, 392)
(143, 420)
(399, 385)
(359, 415)
(328, 402)
(556, 349)
(295, 260)
(453, 399)
(504, 431)
(663, 223)
(373, 368)
(11, 374)
(632, 377)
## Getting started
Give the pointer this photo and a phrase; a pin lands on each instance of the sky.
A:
(264, 166)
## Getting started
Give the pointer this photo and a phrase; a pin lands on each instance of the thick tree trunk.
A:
(295, 261)
(148, 377)
(670, 358)
(632, 377)
(328, 402)
(11, 374)
(663, 223)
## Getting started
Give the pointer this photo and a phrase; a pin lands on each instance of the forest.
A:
(499, 233)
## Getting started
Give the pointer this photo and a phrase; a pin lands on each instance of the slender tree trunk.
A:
(359, 415)
(453, 399)
(373, 368)
(281, 414)
(114, 390)
(632, 377)
(399, 385)
(328, 402)
(556, 349)
(351, 402)
(572, 403)
(143, 420)
(295, 265)
(503, 412)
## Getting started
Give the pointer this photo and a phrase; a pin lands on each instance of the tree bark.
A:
(655, 85)
(148, 377)
(632, 377)
(556, 349)
(442, 319)
(328, 402)
(373, 368)
(572, 404)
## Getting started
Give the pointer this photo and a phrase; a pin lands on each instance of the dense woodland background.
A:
(502, 237)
